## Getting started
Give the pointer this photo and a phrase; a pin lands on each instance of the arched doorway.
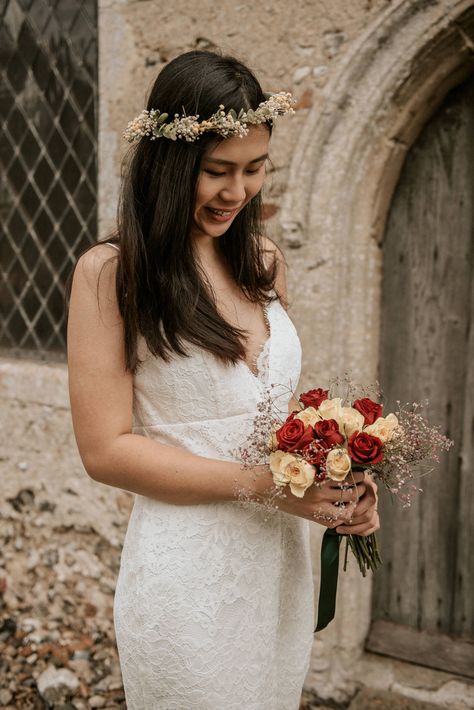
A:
(346, 164)
(424, 590)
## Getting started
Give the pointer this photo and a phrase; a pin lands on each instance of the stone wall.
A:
(351, 68)
(291, 47)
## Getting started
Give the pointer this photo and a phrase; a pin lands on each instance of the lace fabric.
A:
(213, 607)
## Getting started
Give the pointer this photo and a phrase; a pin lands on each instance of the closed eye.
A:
(250, 172)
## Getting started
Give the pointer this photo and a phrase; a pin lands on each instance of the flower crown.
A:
(153, 123)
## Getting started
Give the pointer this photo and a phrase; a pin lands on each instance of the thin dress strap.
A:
(113, 245)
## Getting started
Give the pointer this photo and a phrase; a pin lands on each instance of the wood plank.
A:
(426, 352)
(433, 650)
(463, 606)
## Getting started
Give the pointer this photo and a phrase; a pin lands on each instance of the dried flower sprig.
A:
(411, 454)
(154, 124)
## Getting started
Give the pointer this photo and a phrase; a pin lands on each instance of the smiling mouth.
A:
(223, 213)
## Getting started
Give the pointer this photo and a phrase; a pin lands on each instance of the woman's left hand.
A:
(365, 519)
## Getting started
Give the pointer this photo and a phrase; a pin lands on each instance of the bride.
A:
(177, 328)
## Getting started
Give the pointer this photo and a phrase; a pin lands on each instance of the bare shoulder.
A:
(273, 250)
(274, 253)
(91, 264)
(93, 289)
(95, 272)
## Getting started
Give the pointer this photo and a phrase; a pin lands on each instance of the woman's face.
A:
(231, 174)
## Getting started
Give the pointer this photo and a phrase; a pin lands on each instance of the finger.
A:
(346, 495)
(331, 515)
(365, 528)
(369, 479)
(370, 531)
(368, 500)
(372, 486)
(344, 513)
(357, 529)
(361, 515)
(363, 519)
(350, 480)
(328, 521)
(365, 504)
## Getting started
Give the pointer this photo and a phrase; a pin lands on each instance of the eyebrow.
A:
(229, 162)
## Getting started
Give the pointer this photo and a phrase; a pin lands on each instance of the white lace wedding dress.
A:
(213, 608)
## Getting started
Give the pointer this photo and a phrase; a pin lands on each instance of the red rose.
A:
(328, 431)
(313, 398)
(294, 435)
(370, 410)
(364, 448)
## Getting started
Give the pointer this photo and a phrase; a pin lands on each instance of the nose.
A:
(234, 190)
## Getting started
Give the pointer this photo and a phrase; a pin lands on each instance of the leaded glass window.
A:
(48, 164)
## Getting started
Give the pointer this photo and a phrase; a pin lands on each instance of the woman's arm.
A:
(101, 394)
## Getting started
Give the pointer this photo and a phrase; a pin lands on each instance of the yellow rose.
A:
(338, 464)
(383, 427)
(352, 420)
(300, 473)
(332, 409)
(308, 416)
(279, 478)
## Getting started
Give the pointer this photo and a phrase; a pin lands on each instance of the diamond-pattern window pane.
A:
(48, 165)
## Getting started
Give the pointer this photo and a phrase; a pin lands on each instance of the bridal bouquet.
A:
(326, 439)
(330, 438)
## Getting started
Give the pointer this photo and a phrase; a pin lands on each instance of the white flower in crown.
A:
(153, 123)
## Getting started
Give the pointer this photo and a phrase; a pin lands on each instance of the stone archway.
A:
(350, 153)
(343, 173)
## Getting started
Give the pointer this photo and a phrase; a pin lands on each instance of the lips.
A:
(226, 210)
(220, 217)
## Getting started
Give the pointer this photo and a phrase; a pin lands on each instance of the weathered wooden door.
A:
(423, 604)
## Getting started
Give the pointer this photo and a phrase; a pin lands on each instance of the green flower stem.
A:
(346, 553)
(366, 552)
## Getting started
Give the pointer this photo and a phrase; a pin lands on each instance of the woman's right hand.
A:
(321, 502)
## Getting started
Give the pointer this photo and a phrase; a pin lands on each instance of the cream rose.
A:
(352, 420)
(338, 464)
(279, 478)
(383, 427)
(332, 409)
(299, 473)
(308, 416)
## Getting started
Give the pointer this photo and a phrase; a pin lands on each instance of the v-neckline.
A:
(264, 346)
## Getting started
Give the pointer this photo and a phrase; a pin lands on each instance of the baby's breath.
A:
(412, 453)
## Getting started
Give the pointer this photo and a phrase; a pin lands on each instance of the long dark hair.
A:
(161, 292)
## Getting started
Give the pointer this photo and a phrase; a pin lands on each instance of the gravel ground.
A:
(57, 643)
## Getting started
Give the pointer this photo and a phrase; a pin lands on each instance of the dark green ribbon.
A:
(328, 582)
